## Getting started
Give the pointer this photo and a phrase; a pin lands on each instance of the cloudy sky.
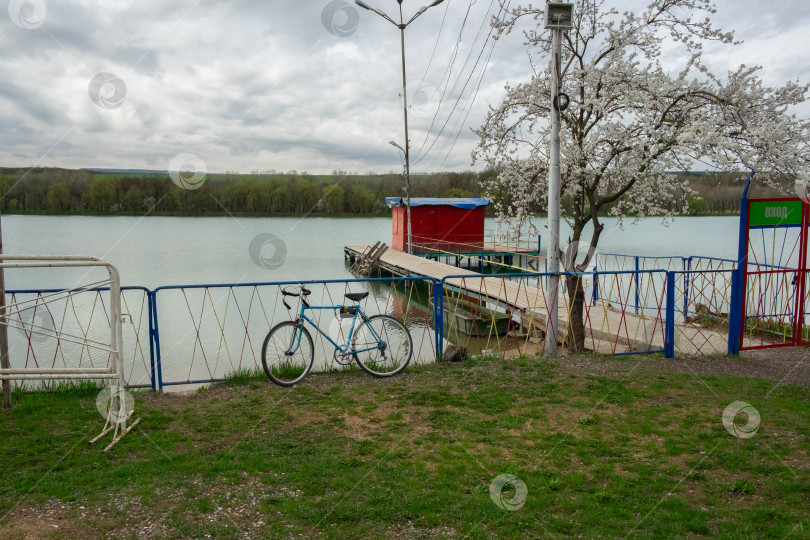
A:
(309, 85)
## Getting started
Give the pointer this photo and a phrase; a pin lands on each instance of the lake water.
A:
(208, 333)
(156, 251)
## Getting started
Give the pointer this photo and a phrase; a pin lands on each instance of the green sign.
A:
(787, 213)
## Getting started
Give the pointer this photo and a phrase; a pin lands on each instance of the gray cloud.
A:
(251, 84)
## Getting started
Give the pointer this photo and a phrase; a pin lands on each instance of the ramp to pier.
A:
(609, 328)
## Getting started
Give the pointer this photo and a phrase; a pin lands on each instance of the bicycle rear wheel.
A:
(389, 343)
(287, 353)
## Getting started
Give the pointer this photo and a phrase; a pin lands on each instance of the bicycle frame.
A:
(358, 312)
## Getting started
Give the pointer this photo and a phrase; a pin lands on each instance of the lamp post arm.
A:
(421, 10)
(386, 17)
(377, 11)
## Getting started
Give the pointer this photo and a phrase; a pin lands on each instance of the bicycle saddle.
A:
(356, 296)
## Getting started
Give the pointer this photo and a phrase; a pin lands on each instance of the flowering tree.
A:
(631, 122)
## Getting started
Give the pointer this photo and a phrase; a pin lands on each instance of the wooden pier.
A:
(611, 330)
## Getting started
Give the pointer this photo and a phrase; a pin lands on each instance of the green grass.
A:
(348, 455)
(246, 376)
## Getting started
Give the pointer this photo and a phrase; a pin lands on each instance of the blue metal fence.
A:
(212, 331)
(685, 265)
(431, 306)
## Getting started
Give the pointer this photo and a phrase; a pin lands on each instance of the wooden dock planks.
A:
(608, 326)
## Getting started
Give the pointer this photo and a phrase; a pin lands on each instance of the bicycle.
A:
(381, 345)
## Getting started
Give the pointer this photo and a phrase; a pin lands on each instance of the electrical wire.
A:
(439, 35)
(460, 118)
(469, 109)
(447, 73)
(420, 155)
(470, 99)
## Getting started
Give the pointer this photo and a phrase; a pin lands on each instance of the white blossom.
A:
(631, 123)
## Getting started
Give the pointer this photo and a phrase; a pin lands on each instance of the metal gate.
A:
(774, 273)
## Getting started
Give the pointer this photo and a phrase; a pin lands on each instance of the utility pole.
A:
(407, 140)
(402, 25)
(559, 17)
(4, 361)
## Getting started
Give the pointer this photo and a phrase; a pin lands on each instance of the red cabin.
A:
(439, 225)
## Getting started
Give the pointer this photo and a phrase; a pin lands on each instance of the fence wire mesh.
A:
(210, 332)
(58, 329)
(509, 313)
(702, 305)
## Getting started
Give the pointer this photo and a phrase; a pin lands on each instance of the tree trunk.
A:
(575, 337)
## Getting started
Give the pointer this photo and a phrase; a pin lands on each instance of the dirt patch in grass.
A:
(307, 417)
(49, 519)
(410, 531)
(357, 428)
(198, 506)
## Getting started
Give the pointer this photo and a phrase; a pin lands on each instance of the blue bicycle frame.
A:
(358, 311)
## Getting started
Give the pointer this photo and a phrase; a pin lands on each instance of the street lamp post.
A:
(559, 17)
(4, 360)
(402, 25)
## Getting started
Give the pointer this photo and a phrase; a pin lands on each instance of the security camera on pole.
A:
(559, 18)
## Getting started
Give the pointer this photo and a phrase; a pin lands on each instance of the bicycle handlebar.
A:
(304, 291)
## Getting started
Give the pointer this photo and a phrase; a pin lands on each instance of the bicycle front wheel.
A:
(287, 353)
(384, 346)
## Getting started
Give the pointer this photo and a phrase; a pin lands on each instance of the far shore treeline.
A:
(80, 191)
